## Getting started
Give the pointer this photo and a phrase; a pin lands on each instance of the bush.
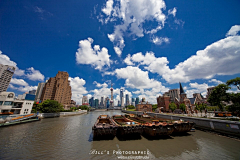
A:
(49, 106)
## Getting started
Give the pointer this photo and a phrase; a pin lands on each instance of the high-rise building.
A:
(6, 73)
(58, 88)
(121, 97)
(85, 100)
(137, 101)
(39, 91)
(33, 92)
(102, 102)
(91, 102)
(111, 101)
(96, 102)
(127, 100)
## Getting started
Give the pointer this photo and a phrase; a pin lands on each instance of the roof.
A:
(181, 89)
(192, 100)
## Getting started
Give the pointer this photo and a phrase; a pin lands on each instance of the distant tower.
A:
(183, 95)
(111, 101)
(121, 98)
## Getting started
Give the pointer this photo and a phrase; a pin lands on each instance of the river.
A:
(71, 138)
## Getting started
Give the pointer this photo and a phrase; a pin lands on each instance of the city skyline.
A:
(144, 53)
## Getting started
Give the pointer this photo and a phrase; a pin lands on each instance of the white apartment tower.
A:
(39, 91)
(6, 73)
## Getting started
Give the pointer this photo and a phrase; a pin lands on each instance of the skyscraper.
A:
(85, 100)
(127, 100)
(58, 88)
(91, 101)
(39, 91)
(137, 101)
(121, 97)
(111, 101)
(96, 103)
(6, 73)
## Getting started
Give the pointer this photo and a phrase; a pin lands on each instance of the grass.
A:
(131, 109)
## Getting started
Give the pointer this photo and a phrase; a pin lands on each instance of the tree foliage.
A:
(219, 94)
(235, 81)
(84, 107)
(182, 107)
(49, 106)
(154, 107)
(130, 107)
(172, 106)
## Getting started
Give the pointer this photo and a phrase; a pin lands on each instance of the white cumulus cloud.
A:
(19, 82)
(95, 56)
(233, 31)
(34, 75)
(78, 89)
(160, 40)
(132, 15)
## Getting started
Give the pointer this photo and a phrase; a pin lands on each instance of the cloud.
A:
(34, 75)
(127, 60)
(197, 88)
(95, 56)
(19, 82)
(216, 81)
(132, 15)
(78, 89)
(160, 40)
(136, 78)
(172, 11)
(23, 88)
(100, 85)
(220, 58)
(233, 31)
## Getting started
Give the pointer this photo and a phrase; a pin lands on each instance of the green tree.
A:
(50, 106)
(219, 94)
(172, 106)
(154, 107)
(182, 107)
(84, 107)
(235, 81)
(130, 107)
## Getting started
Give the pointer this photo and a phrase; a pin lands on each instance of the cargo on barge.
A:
(153, 127)
(127, 126)
(104, 127)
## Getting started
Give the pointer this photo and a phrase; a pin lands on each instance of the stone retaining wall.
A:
(222, 126)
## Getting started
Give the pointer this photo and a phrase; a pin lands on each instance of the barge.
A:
(153, 127)
(127, 126)
(104, 127)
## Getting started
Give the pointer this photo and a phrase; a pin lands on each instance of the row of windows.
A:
(6, 103)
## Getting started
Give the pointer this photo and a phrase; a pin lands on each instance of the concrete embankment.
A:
(61, 114)
(221, 126)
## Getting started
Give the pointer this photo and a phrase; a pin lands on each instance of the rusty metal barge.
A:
(153, 127)
(104, 127)
(127, 126)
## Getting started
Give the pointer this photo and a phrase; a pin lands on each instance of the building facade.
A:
(127, 100)
(121, 97)
(144, 106)
(16, 106)
(58, 88)
(174, 93)
(39, 91)
(33, 92)
(85, 100)
(6, 73)
(163, 102)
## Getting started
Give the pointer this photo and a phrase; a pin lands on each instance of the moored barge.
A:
(153, 127)
(104, 127)
(127, 126)
(182, 127)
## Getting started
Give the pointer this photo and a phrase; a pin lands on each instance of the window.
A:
(8, 103)
(1, 102)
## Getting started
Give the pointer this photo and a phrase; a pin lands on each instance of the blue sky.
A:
(143, 46)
